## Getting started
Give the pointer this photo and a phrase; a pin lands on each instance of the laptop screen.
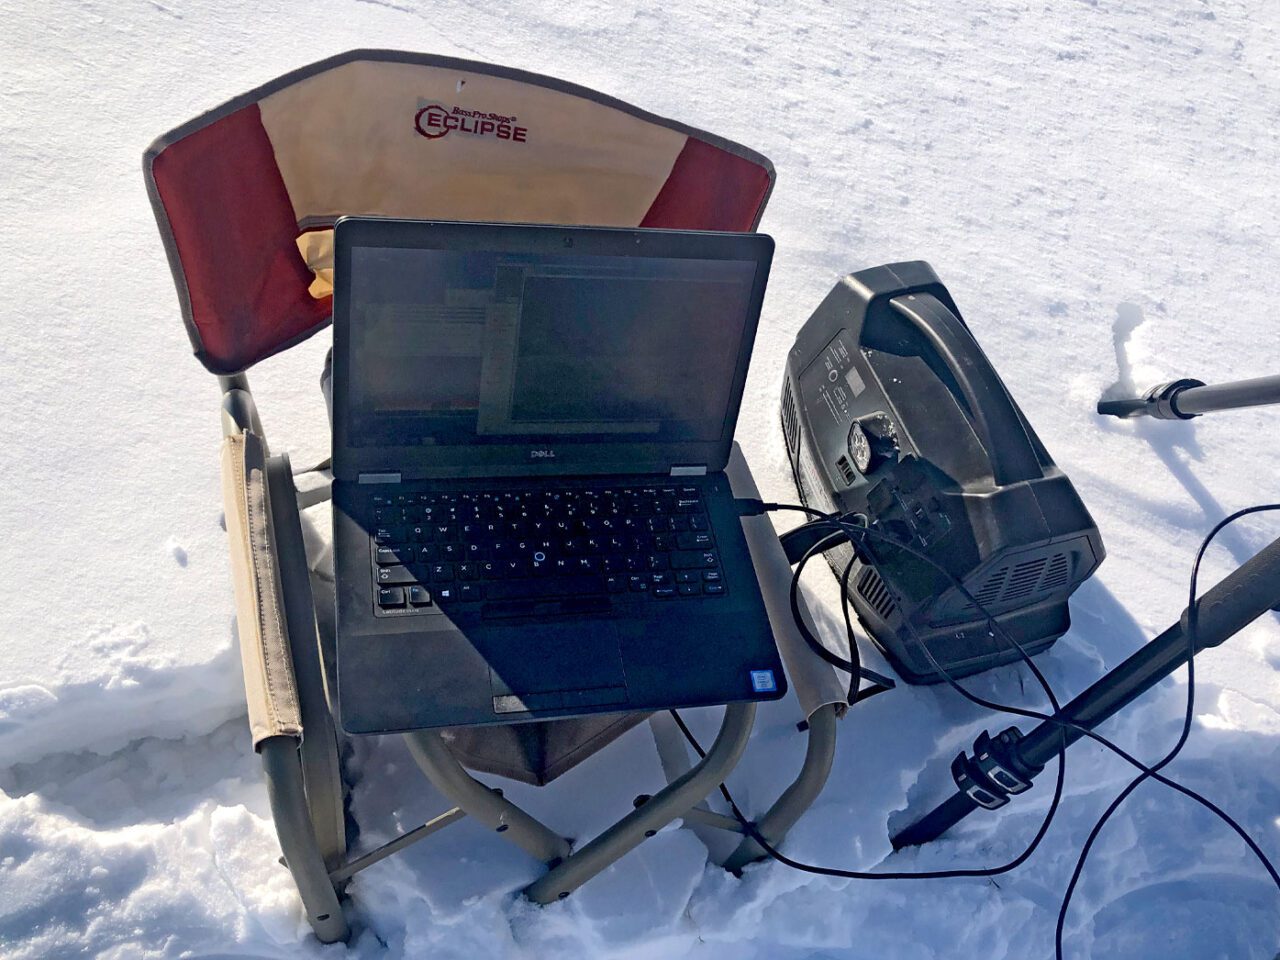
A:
(481, 347)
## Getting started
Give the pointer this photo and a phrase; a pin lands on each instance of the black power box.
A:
(891, 410)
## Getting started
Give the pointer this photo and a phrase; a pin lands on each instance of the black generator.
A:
(891, 410)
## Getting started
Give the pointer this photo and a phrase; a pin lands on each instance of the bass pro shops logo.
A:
(436, 122)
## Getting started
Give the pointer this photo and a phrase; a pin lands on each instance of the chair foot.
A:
(292, 818)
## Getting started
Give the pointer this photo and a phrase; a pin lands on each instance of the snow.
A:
(1095, 183)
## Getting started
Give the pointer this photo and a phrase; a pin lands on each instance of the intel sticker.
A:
(762, 681)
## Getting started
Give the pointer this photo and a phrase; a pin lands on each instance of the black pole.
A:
(1008, 763)
(1184, 399)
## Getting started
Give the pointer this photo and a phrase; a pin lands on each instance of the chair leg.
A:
(480, 802)
(674, 800)
(797, 798)
(321, 771)
(283, 769)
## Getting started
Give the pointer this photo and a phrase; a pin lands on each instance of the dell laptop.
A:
(531, 516)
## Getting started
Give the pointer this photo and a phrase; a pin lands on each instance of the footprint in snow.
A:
(178, 551)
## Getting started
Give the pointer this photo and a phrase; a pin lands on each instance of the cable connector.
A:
(750, 506)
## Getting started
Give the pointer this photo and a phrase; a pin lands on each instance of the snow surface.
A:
(1095, 181)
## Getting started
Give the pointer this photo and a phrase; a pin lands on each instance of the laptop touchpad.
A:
(538, 659)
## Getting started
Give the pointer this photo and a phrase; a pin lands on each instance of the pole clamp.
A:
(993, 773)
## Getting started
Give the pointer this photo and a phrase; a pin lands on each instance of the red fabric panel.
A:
(709, 189)
(235, 231)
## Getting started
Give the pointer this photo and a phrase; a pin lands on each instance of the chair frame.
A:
(303, 773)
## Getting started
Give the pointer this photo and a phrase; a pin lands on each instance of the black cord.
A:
(836, 660)
(851, 531)
(1193, 616)
(1151, 772)
(1002, 634)
(1146, 772)
(751, 831)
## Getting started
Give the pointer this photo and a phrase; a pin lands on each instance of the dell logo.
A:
(542, 454)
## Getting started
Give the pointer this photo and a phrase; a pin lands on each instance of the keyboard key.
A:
(389, 556)
(418, 596)
(690, 559)
(391, 596)
(690, 589)
(694, 540)
(711, 576)
(441, 572)
(388, 576)
(689, 576)
(543, 587)
(665, 593)
(713, 588)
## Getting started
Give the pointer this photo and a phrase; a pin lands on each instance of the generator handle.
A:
(994, 417)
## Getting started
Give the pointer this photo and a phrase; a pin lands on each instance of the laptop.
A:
(531, 516)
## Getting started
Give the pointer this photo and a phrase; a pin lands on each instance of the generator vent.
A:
(1020, 581)
(790, 420)
(872, 589)
(1057, 574)
(1023, 579)
(846, 470)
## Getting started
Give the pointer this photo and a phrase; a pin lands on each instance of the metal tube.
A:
(1229, 396)
(671, 802)
(798, 797)
(348, 870)
(1229, 607)
(480, 802)
(292, 819)
(239, 412)
(709, 818)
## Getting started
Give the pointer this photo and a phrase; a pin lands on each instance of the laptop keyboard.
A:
(512, 548)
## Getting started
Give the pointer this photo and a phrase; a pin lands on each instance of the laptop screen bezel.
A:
(629, 456)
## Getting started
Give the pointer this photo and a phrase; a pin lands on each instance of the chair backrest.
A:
(246, 194)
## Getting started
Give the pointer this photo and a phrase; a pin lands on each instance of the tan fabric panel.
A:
(269, 687)
(316, 247)
(346, 143)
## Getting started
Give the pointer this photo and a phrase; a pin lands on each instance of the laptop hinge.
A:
(691, 471)
(379, 477)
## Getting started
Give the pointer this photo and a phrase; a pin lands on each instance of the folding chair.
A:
(245, 197)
